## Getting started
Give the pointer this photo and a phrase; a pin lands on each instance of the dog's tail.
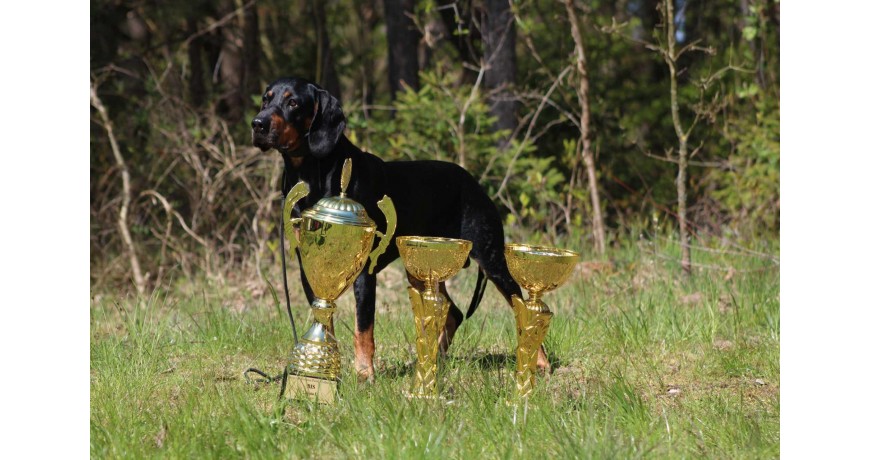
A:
(478, 292)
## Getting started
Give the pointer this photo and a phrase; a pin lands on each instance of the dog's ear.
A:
(328, 123)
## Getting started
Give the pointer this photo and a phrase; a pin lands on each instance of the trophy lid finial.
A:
(340, 210)
(345, 176)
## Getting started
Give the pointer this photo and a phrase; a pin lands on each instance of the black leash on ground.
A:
(264, 377)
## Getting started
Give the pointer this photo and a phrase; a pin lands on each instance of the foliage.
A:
(172, 77)
(750, 192)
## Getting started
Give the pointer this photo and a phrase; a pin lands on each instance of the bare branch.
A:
(585, 153)
(123, 227)
(529, 130)
(220, 22)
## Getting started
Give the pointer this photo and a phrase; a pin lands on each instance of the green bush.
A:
(749, 192)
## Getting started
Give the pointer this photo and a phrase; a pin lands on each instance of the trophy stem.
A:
(316, 355)
(430, 314)
(533, 321)
(431, 286)
(534, 301)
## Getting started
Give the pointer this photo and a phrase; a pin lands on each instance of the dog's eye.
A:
(292, 103)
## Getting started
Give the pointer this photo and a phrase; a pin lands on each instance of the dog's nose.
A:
(259, 124)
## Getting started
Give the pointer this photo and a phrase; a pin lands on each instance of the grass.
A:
(645, 365)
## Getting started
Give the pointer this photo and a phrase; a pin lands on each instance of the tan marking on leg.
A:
(364, 351)
(543, 362)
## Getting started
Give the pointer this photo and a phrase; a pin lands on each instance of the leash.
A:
(264, 377)
(283, 256)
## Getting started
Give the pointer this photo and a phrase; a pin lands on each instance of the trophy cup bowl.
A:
(538, 269)
(433, 259)
(430, 260)
(334, 240)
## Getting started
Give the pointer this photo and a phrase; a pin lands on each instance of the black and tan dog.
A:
(432, 198)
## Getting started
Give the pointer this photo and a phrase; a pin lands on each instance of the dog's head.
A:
(297, 118)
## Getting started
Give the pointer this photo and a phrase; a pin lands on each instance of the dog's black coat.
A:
(432, 198)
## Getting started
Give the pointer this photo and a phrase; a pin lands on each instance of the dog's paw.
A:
(365, 374)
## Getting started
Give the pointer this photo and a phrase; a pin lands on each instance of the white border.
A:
(44, 188)
(825, 180)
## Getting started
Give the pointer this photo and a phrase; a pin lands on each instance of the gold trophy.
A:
(538, 269)
(335, 237)
(431, 260)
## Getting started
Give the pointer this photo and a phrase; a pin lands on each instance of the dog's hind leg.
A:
(364, 334)
(454, 319)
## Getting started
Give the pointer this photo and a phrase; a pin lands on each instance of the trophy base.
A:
(311, 389)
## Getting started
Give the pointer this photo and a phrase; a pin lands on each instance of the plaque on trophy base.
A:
(317, 390)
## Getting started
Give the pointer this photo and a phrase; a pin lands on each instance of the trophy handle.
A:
(389, 211)
(299, 191)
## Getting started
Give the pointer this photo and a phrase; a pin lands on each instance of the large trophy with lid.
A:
(335, 239)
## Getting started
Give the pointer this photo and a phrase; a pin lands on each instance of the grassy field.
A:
(645, 365)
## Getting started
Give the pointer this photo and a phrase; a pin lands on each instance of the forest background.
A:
(576, 117)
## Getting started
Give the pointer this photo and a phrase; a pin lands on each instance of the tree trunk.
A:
(195, 82)
(368, 19)
(500, 57)
(402, 39)
(456, 16)
(586, 151)
(326, 74)
(671, 58)
(251, 48)
(238, 63)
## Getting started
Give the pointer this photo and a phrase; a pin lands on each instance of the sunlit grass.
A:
(645, 364)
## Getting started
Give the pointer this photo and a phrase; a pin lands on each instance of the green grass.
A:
(645, 365)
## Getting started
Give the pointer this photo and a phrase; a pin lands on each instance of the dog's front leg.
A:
(364, 335)
(454, 319)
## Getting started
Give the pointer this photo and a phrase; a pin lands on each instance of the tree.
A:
(585, 149)
(123, 211)
(500, 61)
(462, 33)
(402, 40)
(239, 60)
(326, 74)
(671, 55)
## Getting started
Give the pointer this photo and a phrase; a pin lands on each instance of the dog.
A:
(305, 124)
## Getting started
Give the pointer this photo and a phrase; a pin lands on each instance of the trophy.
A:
(538, 269)
(431, 260)
(334, 239)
